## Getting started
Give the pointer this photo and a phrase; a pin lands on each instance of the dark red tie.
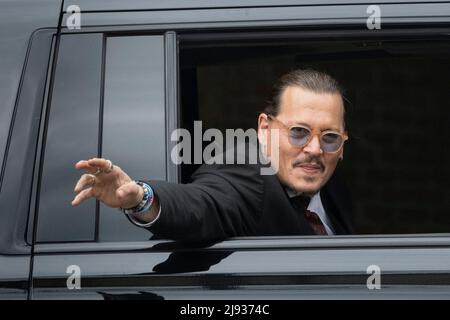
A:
(316, 224)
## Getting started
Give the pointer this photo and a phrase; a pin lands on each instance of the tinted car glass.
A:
(72, 133)
(133, 120)
(119, 115)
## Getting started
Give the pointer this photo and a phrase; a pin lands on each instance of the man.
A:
(303, 198)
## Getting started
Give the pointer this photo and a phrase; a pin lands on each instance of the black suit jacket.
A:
(225, 201)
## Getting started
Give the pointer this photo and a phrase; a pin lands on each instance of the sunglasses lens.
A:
(299, 136)
(331, 142)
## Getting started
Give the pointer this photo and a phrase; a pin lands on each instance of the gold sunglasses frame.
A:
(314, 132)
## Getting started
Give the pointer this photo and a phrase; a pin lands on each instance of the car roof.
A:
(120, 5)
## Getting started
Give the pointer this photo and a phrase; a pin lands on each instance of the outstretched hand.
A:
(107, 183)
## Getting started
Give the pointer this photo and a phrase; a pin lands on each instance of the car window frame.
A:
(171, 118)
(175, 36)
(18, 188)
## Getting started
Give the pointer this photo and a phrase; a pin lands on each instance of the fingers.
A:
(84, 165)
(95, 165)
(86, 180)
(83, 195)
(100, 163)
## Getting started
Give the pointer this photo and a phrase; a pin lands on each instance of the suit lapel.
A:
(332, 213)
(278, 205)
(336, 207)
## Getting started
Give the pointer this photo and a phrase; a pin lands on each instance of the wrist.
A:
(151, 215)
(140, 195)
(146, 197)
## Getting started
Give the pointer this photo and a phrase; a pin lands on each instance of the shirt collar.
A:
(314, 203)
(291, 193)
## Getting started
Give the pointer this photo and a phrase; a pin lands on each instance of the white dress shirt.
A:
(145, 224)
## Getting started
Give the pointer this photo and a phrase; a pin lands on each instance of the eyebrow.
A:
(307, 126)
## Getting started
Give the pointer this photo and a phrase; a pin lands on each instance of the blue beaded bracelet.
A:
(146, 202)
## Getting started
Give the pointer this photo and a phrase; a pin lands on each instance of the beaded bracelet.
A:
(146, 202)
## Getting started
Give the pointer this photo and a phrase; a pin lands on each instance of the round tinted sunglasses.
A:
(299, 136)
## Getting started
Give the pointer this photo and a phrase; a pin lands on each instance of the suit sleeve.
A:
(220, 202)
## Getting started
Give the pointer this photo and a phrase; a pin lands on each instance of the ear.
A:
(341, 157)
(263, 125)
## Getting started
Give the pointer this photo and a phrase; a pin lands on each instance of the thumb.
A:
(129, 194)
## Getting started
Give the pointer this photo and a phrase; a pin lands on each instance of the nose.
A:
(313, 146)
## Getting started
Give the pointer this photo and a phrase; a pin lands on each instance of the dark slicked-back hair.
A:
(308, 79)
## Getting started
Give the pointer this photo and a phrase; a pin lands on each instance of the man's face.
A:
(305, 169)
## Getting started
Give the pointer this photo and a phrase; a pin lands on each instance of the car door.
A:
(261, 269)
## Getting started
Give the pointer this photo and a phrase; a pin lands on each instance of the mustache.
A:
(309, 160)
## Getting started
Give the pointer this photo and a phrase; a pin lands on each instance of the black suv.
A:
(114, 78)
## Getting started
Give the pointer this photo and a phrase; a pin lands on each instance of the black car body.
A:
(41, 240)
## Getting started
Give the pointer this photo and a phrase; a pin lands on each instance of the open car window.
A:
(397, 111)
